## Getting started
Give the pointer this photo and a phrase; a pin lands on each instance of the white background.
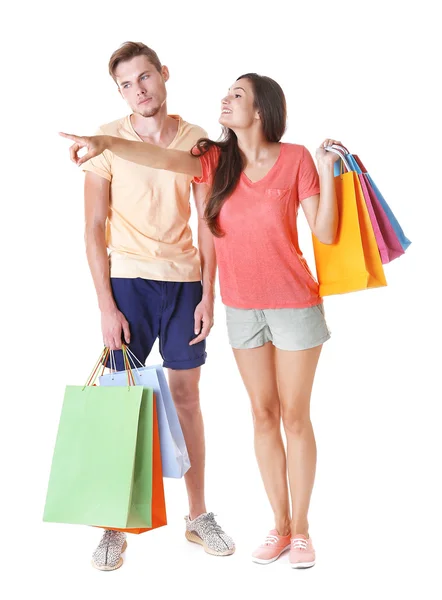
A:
(366, 73)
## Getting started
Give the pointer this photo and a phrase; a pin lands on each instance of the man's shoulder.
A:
(116, 128)
(190, 130)
(197, 130)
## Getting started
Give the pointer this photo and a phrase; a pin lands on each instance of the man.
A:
(149, 286)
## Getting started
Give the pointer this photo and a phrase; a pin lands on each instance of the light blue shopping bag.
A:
(174, 456)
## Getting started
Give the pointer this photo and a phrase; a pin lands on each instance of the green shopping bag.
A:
(102, 465)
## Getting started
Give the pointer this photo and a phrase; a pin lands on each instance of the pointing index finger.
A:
(71, 136)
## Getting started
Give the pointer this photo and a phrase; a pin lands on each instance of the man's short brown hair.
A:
(130, 50)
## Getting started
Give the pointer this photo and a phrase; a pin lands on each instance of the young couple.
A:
(248, 188)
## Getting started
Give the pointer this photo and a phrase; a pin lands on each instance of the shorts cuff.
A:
(182, 365)
(250, 345)
(307, 346)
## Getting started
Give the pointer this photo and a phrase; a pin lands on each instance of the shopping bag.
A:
(390, 230)
(388, 243)
(159, 516)
(102, 464)
(174, 455)
(352, 262)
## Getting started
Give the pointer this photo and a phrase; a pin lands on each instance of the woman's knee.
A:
(295, 421)
(266, 418)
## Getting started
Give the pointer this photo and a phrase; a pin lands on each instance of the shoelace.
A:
(270, 540)
(211, 525)
(299, 544)
(108, 536)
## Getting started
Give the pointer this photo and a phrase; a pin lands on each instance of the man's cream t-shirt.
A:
(147, 230)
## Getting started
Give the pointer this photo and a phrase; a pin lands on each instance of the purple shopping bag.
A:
(386, 238)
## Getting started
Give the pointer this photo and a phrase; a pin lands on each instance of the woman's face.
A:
(237, 107)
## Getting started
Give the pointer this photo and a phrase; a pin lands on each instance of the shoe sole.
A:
(261, 561)
(193, 537)
(305, 565)
(117, 566)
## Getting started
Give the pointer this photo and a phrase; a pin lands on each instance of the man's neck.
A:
(159, 129)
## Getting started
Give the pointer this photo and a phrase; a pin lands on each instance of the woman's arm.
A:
(141, 153)
(321, 210)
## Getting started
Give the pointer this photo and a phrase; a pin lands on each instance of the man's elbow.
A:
(94, 232)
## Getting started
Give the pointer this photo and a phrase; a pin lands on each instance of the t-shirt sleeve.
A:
(102, 164)
(308, 180)
(209, 162)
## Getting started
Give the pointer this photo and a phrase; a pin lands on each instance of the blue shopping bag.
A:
(174, 456)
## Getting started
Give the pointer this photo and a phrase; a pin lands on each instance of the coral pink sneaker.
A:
(272, 548)
(302, 553)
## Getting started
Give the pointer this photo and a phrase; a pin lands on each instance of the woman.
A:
(275, 316)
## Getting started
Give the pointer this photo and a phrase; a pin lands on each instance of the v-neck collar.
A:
(172, 143)
(269, 172)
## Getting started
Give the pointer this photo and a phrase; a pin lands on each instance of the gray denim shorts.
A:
(286, 328)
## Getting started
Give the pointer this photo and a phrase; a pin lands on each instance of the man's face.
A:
(141, 85)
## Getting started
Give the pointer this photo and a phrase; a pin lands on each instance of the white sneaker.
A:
(107, 556)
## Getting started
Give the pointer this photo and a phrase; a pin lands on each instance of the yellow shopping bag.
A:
(353, 262)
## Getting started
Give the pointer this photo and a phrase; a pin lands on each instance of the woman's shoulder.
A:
(298, 149)
(298, 152)
(204, 147)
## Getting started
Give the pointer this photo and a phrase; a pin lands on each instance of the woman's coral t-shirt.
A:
(260, 263)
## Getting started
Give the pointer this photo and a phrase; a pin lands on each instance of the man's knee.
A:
(185, 392)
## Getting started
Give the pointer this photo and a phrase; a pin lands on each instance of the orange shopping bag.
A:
(159, 517)
(352, 262)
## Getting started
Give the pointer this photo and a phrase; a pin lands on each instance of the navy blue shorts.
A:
(164, 310)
